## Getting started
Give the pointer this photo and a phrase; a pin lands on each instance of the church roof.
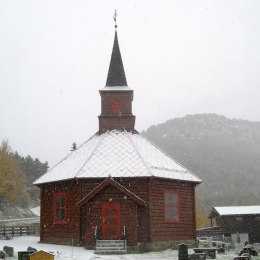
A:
(116, 73)
(114, 154)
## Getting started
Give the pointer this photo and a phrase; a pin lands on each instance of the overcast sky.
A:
(180, 57)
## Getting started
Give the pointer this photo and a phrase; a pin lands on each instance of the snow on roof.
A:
(36, 211)
(237, 210)
(115, 88)
(117, 154)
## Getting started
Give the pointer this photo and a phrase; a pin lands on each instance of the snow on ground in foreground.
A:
(80, 253)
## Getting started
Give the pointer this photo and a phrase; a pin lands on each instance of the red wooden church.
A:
(118, 185)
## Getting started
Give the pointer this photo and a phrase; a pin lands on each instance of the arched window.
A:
(116, 106)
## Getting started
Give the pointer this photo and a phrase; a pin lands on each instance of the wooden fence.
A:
(8, 232)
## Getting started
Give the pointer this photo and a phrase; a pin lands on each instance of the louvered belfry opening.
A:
(116, 96)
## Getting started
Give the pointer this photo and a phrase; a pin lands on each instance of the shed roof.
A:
(114, 154)
(234, 210)
(42, 252)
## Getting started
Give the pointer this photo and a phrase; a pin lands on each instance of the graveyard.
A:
(60, 252)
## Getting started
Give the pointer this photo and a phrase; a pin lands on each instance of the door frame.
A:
(116, 206)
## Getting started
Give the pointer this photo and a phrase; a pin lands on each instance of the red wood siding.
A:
(125, 98)
(60, 232)
(183, 229)
(110, 119)
(143, 223)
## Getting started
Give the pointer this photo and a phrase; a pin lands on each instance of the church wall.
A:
(182, 229)
(145, 225)
(60, 233)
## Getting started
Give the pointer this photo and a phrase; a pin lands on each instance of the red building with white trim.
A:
(118, 185)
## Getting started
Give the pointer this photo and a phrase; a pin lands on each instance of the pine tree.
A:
(74, 147)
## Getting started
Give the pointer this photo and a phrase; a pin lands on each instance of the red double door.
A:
(111, 224)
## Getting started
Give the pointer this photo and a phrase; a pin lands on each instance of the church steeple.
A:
(116, 96)
(116, 73)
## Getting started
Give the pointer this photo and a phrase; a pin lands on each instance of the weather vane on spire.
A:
(115, 16)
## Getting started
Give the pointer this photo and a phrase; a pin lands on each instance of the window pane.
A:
(168, 215)
(167, 199)
(174, 213)
(174, 199)
(57, 202)
(62, 201)
(62, 214)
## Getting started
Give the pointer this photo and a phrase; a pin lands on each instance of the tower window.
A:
(116, 106)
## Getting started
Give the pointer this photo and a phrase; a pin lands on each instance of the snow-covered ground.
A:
(80, 253)
(36, 211)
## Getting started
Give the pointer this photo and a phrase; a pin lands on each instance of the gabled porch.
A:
(109, 217)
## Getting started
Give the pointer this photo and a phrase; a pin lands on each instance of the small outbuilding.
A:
(41, 255)
(240, 223)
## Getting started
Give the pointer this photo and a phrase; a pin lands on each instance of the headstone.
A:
(198, 256)
(238, 248)
(257, 247)
(24, 255)
(2, 254)
(9, 250)
(221, 250)
(31, 249)
(247, 255)
(183, 252)
(242, 258)
(230, 246)
(210, 241)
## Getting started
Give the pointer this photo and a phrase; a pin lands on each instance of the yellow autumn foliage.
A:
(201, 217)
(12, 187)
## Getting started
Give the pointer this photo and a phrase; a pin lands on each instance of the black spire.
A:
(116, 72)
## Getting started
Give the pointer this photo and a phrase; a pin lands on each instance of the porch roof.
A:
(110, 181)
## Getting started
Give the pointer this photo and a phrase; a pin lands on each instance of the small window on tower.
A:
(116, 106)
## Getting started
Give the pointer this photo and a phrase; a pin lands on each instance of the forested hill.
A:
(224, 152)
(17, 174)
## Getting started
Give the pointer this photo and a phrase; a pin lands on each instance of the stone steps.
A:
(109, 247)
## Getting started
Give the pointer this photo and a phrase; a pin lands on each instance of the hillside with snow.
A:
(223, 152)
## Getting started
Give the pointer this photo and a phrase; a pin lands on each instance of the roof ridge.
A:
(140, 156)
(90, 156)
